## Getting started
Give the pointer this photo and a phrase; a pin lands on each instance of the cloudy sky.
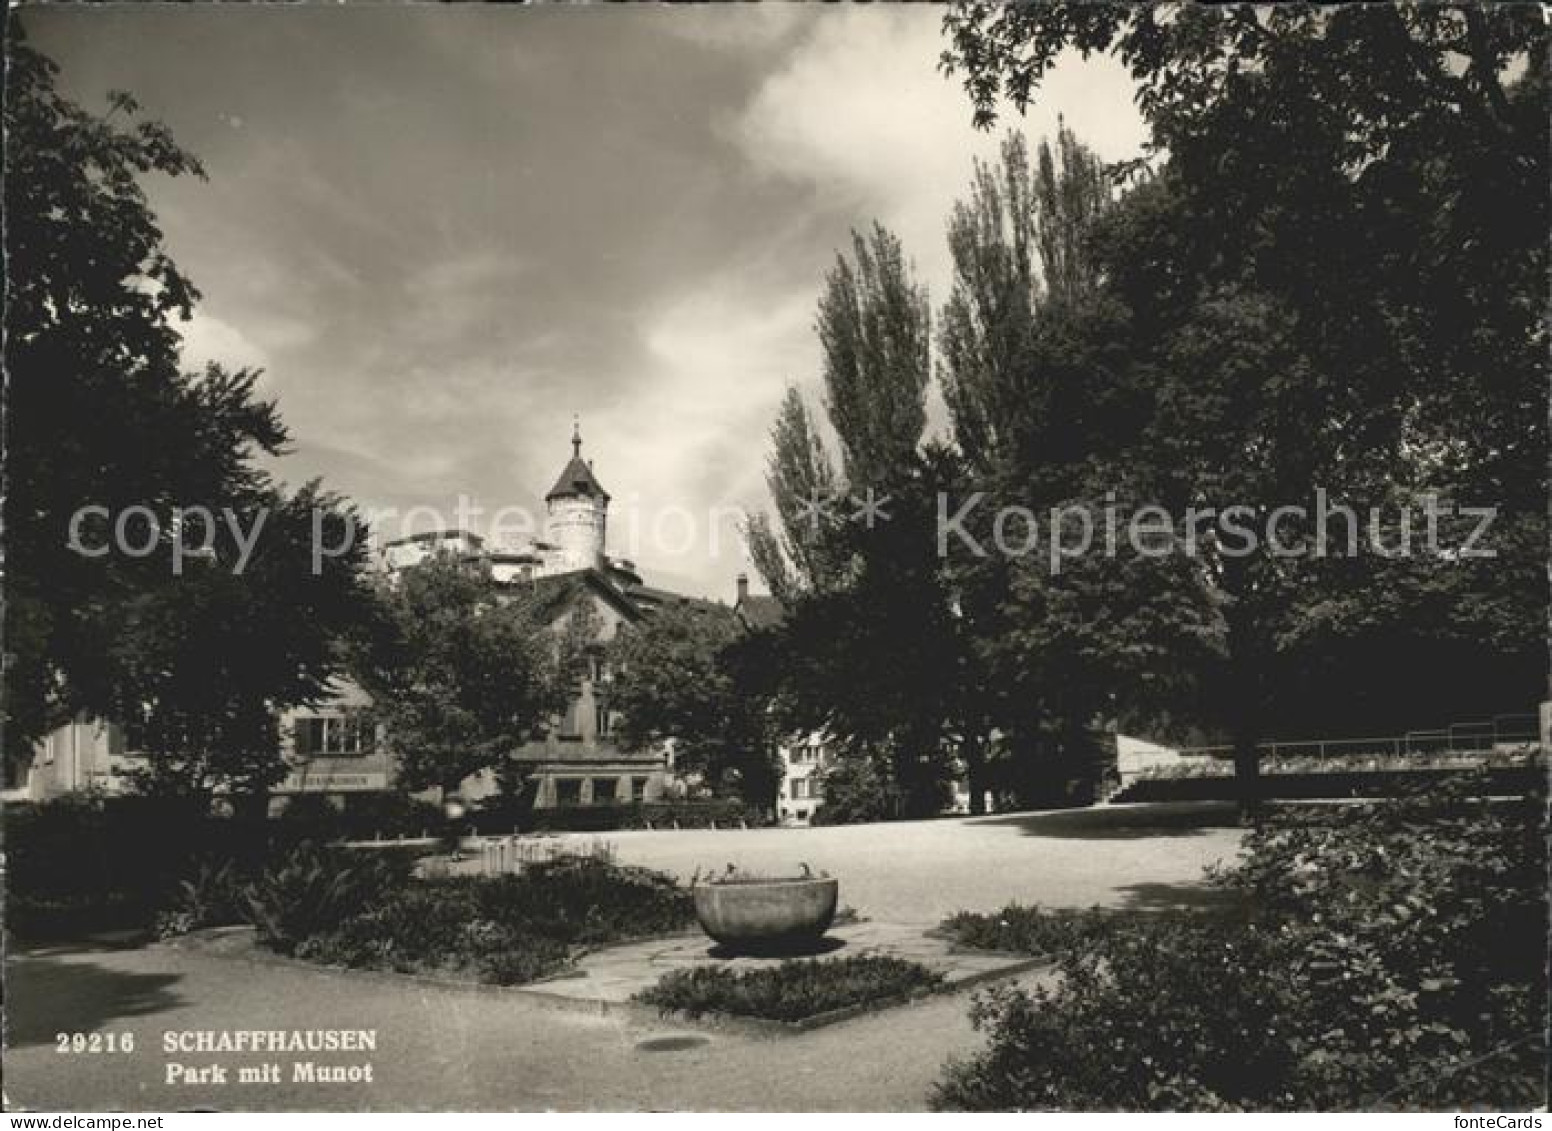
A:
(442, 231)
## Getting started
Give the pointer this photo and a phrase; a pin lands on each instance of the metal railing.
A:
(1503, 732)
(501, 855)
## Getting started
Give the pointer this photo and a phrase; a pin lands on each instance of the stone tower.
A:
(578, 510)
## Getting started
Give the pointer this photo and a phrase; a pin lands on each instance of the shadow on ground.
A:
(807, 948)
(1125, 822)
(1177, 896)
(42, 989)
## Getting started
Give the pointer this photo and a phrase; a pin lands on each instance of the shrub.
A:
(700, 814)
(1394, 958)
(369, 815)
(211, 897)
(426, 929)
(90, 861)
(792, 991)
(589, 901)
(312, 890)
(86, 862)
(1027, 930)
(503, 929)
(855, 793)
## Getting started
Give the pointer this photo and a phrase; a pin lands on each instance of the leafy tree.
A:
(797, 557)
(194, 658)
(877, 587)
(462, 675)
(201, 667)
(1021, 243)
(857, 790)
(1334, 280)
(1044, 396)
(683, 675)
(881, 665)
(874, 329)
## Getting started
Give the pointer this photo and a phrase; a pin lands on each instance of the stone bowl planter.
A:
(767, 915)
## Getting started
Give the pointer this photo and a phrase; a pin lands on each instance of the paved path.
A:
(1141, 856)
(450, 1048)
(438, 1047)
(619, 973)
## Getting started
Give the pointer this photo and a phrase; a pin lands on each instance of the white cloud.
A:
(717, 360)
(861, 113)
(735, 26)
(208, 339)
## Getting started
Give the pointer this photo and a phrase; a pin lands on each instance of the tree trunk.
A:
(1247, 772)
(975, 774)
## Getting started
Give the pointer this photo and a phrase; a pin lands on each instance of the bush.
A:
(1394, 958)
(90, 862)
(370, 815)
(312, 890)
(589, 901)
(1027, 930)
(212, 897)
(855, 793)
(504, 929)
(723, 812)
(792, 991)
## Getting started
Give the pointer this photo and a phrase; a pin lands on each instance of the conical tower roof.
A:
(577, 479)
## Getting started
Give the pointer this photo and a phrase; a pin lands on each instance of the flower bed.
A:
(793, 991)
(501, 930)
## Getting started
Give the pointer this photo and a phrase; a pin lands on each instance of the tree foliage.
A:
(793, 555)
(874, 328)
(882, 591)
(686, 674)
(1333, 280)
(99, 414)
(462, 675)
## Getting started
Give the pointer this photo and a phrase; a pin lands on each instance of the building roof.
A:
(557, 590)
(649, 598)
(577, 478)
(758, 611)
(437, 536)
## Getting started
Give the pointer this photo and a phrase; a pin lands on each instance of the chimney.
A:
(743, 586)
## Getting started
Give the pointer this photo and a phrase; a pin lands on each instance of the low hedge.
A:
(332, 908)
(1328, 784)
(1027, 930)
(91, 862)
(1392, 957)
(793, 991)
(500, 816)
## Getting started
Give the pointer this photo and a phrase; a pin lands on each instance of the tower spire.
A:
(576, 436)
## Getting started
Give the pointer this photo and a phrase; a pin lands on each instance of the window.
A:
(603, 790)
(571, 721)
(800, 789)
(568, 791)
(337, 736)
(638, 789)
(601, 720)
